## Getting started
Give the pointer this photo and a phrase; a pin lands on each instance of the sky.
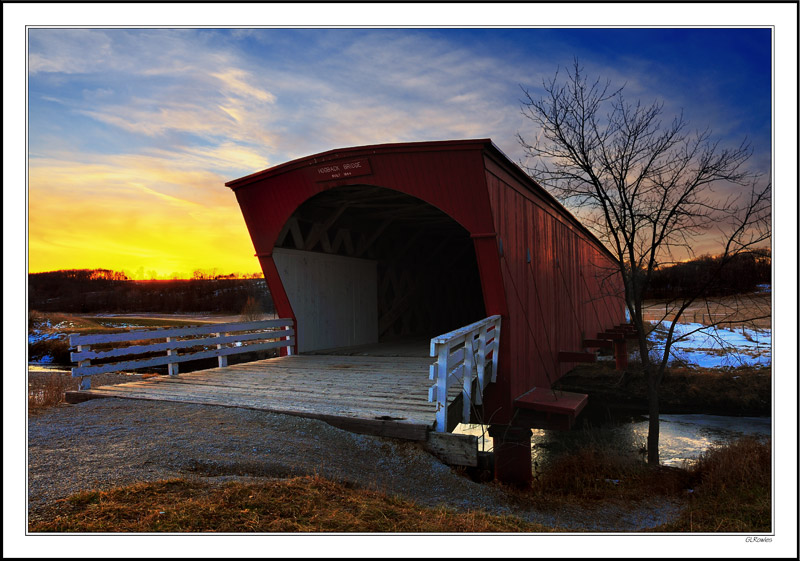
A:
(131, 135)
(133, 132)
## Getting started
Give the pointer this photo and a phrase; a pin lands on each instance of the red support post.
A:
(512, 454)
(621, 354)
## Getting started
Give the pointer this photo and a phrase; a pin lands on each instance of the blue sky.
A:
(138, 129)
(284, 93)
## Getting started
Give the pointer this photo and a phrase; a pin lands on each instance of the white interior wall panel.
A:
(334, 298)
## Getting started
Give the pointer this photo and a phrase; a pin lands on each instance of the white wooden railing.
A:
(213, 340)
(462, 356)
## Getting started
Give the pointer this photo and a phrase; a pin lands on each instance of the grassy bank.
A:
(730, 490)
(745, 391)
(48, 333)
(727, 490)
(48, 346)
(302, 504)
(48, 343)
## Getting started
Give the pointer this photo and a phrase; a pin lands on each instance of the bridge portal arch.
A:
(538, 268)
(363, 263)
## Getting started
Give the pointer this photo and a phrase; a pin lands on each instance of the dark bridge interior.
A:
(428, 280)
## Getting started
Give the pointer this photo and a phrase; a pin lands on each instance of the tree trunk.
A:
(652, 408)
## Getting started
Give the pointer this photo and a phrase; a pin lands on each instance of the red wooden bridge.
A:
(445, 242)
(373, 243)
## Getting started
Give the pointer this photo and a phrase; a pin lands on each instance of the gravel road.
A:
(104, 443)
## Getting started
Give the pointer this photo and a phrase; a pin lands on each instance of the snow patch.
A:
(36, 335)
(715, 347)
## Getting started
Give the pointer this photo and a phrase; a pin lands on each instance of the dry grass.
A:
(745, 390)
(739, 310)
(47, 390)
(594, 471)
(727, 490)
(731, 490)
(302, 504)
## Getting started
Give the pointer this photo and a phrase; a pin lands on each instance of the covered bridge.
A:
(449, 246)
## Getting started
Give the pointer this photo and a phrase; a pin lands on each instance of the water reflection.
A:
(682, 437)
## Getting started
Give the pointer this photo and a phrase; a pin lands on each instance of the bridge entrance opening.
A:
(363, 264)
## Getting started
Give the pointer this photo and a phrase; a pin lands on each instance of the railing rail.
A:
(462, 356)
(218, 340)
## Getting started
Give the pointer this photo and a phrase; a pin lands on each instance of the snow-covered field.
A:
(46, 331)
(697, 345)
(716, 347)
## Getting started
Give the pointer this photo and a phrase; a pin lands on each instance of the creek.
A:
(682, 437)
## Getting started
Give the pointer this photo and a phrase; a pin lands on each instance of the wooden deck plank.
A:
(305, 409)
(384, 400)
(370, 377)
(234, 399)
(300, 384)
(392, 428)
(351, 374)
(323, 360)
(275, 374)
(284, 394)
(356, 377)
(342, 368)
(372, 394)
(369, 404)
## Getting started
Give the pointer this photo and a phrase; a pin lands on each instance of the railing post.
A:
(443, 374)
(172, 367)
(222, 361)
(496, 351)
(291, 340)
(86, 381)
(481, 364)
(469, 365)
(473, 362)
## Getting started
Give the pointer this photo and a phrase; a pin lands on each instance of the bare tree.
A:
(649, 189)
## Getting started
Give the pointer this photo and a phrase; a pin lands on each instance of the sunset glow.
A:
(132, 213)
(133, 132)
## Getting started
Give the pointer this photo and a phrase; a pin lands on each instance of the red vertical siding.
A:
(547, 304)
(550, 299)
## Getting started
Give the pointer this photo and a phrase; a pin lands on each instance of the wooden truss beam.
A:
(320, 230)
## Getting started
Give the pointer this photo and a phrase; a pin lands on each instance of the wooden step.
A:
(570, 356)
(597, 343)
(610, 335)
(548, 400)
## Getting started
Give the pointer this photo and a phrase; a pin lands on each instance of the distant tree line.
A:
(742, 274)
(103, 290)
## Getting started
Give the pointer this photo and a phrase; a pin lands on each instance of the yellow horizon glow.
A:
(134, 214)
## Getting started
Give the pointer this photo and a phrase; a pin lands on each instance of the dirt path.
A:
(109, 442)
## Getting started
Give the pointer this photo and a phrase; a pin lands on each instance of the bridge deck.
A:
(383, 395)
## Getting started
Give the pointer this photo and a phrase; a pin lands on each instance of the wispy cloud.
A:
(137, 130)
